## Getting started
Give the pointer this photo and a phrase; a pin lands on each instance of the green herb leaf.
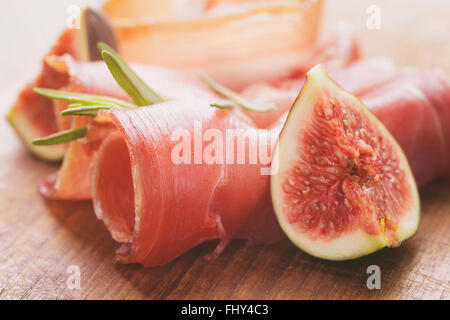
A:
(76, 105)
(236, 97)
(133, 85)
(223, 104)
(83, 110)
(61, 137)
(85, 99)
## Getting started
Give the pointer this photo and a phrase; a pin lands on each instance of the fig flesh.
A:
(341, 186)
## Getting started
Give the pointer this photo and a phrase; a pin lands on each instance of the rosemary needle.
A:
(236, 97)
(61, 137)
(82, 98)
(133, 85)
(85, 110)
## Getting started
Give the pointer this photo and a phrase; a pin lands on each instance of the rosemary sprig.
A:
(82, 98)
(89, 105)
(133, 85)
(236, 97)
(61, 137)
(84, 110)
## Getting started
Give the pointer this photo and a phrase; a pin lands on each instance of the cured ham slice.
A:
(229, 37)
(364, 75)
(223, 38)
(72, 180)
(357, 78)
(158, 207)
(415, 108)
(339, 51)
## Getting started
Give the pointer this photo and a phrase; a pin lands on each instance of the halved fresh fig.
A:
(341, 186)
(32, 116)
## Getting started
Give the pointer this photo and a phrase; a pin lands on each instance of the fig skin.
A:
(94, 28)
(350, 244)
(98, 29)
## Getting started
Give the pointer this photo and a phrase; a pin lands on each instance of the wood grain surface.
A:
(40, 239)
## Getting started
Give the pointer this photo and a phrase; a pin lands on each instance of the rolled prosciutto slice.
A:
(230, 44)
(72, 180)
(179, 173)
(358, 77)
(415, 107)
(235, 42)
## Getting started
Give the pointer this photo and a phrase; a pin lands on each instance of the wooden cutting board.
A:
(40, 240)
